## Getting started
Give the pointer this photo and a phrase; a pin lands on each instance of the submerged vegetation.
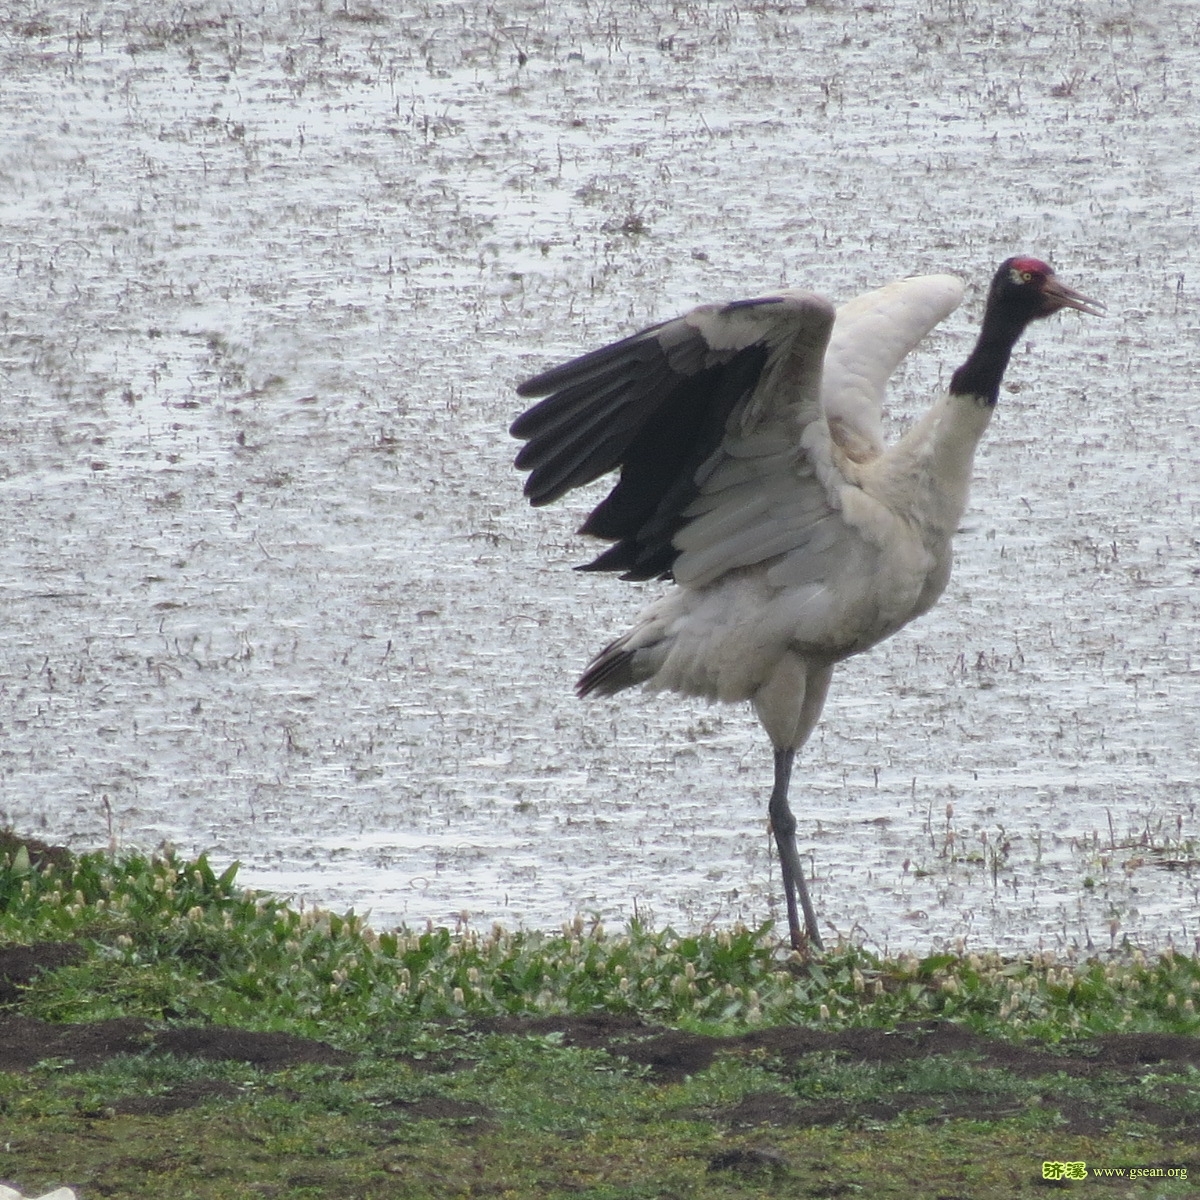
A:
(444, 1063)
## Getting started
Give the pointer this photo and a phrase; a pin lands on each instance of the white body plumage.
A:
(808, 538)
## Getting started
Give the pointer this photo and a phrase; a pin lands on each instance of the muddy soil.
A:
(667, 1056)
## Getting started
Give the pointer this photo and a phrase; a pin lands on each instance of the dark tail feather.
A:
(611, 671)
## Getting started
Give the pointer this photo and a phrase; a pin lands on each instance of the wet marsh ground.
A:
(268, 275)
(163, 1033)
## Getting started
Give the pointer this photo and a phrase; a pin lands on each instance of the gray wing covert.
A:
(668, 406)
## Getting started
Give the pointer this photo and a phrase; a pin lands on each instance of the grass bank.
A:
(165, 1033)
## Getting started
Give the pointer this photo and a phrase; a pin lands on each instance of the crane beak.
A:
(1057, 295)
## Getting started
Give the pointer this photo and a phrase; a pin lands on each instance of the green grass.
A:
(432, 1104)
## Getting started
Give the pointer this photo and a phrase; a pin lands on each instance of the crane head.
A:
(1029, 284)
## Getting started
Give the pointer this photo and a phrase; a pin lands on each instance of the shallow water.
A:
(268, 585)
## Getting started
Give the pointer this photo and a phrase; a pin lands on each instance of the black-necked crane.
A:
(754, 475)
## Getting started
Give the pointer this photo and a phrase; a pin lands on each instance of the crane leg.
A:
(783, 822)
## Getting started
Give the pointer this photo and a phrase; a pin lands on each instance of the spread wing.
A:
(723, 424)
(777, 493)
(717, 396)
(872, 335)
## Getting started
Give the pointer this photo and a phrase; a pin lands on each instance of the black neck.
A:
(983, 371)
